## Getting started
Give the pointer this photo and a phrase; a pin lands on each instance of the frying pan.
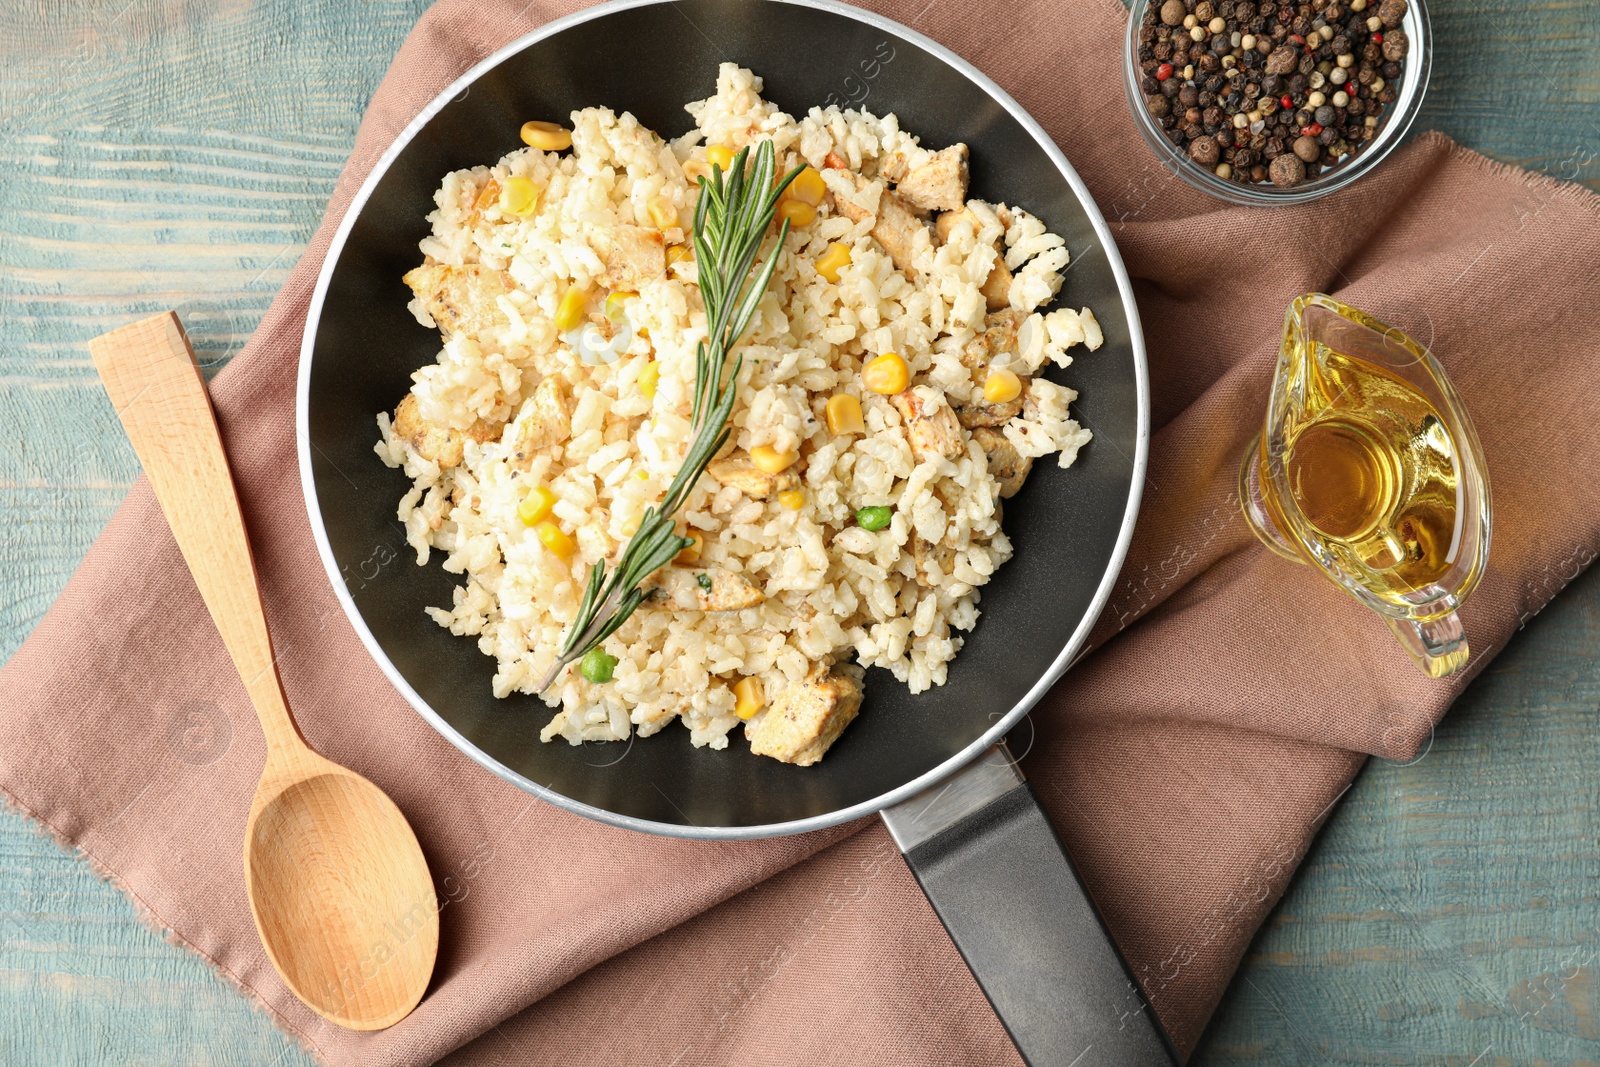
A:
(934, 764)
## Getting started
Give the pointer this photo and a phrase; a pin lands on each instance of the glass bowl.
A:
(1393, 125)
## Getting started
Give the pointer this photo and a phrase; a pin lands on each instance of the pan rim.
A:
(905, 790)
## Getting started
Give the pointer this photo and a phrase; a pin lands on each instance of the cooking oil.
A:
(1372, 473)
(1368, 469)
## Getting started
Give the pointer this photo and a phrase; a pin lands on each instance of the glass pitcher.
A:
(1368, 468)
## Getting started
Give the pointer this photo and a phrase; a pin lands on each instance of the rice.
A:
(510, 404)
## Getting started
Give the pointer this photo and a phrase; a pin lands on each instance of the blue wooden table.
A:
(155, 155)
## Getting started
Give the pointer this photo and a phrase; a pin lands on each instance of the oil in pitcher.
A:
(1368, 468)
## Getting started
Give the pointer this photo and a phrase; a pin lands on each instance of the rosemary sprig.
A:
(730, 223)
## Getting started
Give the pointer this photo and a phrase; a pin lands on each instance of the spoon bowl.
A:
(350, 919)
(337, 883)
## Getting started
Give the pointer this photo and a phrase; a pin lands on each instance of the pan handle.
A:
(996, 873)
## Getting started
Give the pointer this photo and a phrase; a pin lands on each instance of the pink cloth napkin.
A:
(1187, 763)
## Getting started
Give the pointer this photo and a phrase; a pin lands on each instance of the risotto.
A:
(889, 401)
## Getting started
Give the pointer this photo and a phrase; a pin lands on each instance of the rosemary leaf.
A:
(730, 226)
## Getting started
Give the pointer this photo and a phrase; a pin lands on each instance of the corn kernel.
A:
(1002, 386)
(719, 155)
(569, 313)
(546, 136)
(663, 213)
(690, 553)
(555, 539)
(535, 507)
(832, 261)
(771, 460)
(614, 304)
(887, 374)
(748, 697)
(793, 499)
(519, 196)
(649, 377)
(678, 253)
(808, 187)
(844, 415)
(798, 212)
(631, 526)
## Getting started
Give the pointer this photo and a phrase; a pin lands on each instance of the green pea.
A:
(597, 665)
(874, 518)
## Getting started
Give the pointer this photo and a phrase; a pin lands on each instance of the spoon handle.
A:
(149, 370)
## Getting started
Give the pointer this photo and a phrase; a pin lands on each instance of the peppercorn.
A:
(1307, 148)
(1395, 46)
(1204, 151)
(1258, 173)
(1205, 11)
(1189, 96)
(1328, 136)
(1157, 106)
(1391, 12)
(1287, 171)
(1172, 12)
(1324, 115)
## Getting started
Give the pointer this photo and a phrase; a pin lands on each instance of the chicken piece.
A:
(633, 255)
(996, 288)
(809, 717)
(834, 161)
(542, 421)
(980, 413)
(940, 184)
(999, 337)
(1008, 467)
(895, 226)
(710, 589)
(461, 300)
(440, 444)
(930, 555)
(739, 471)
(894, 166)
(931, 426)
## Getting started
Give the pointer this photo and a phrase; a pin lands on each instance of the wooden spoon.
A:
(338, 885)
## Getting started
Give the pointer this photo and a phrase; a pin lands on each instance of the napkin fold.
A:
(1187, 763)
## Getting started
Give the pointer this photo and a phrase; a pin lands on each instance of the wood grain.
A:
(335, 877)
(160, 155)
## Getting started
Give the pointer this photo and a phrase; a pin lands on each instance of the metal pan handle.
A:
(996, 873)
